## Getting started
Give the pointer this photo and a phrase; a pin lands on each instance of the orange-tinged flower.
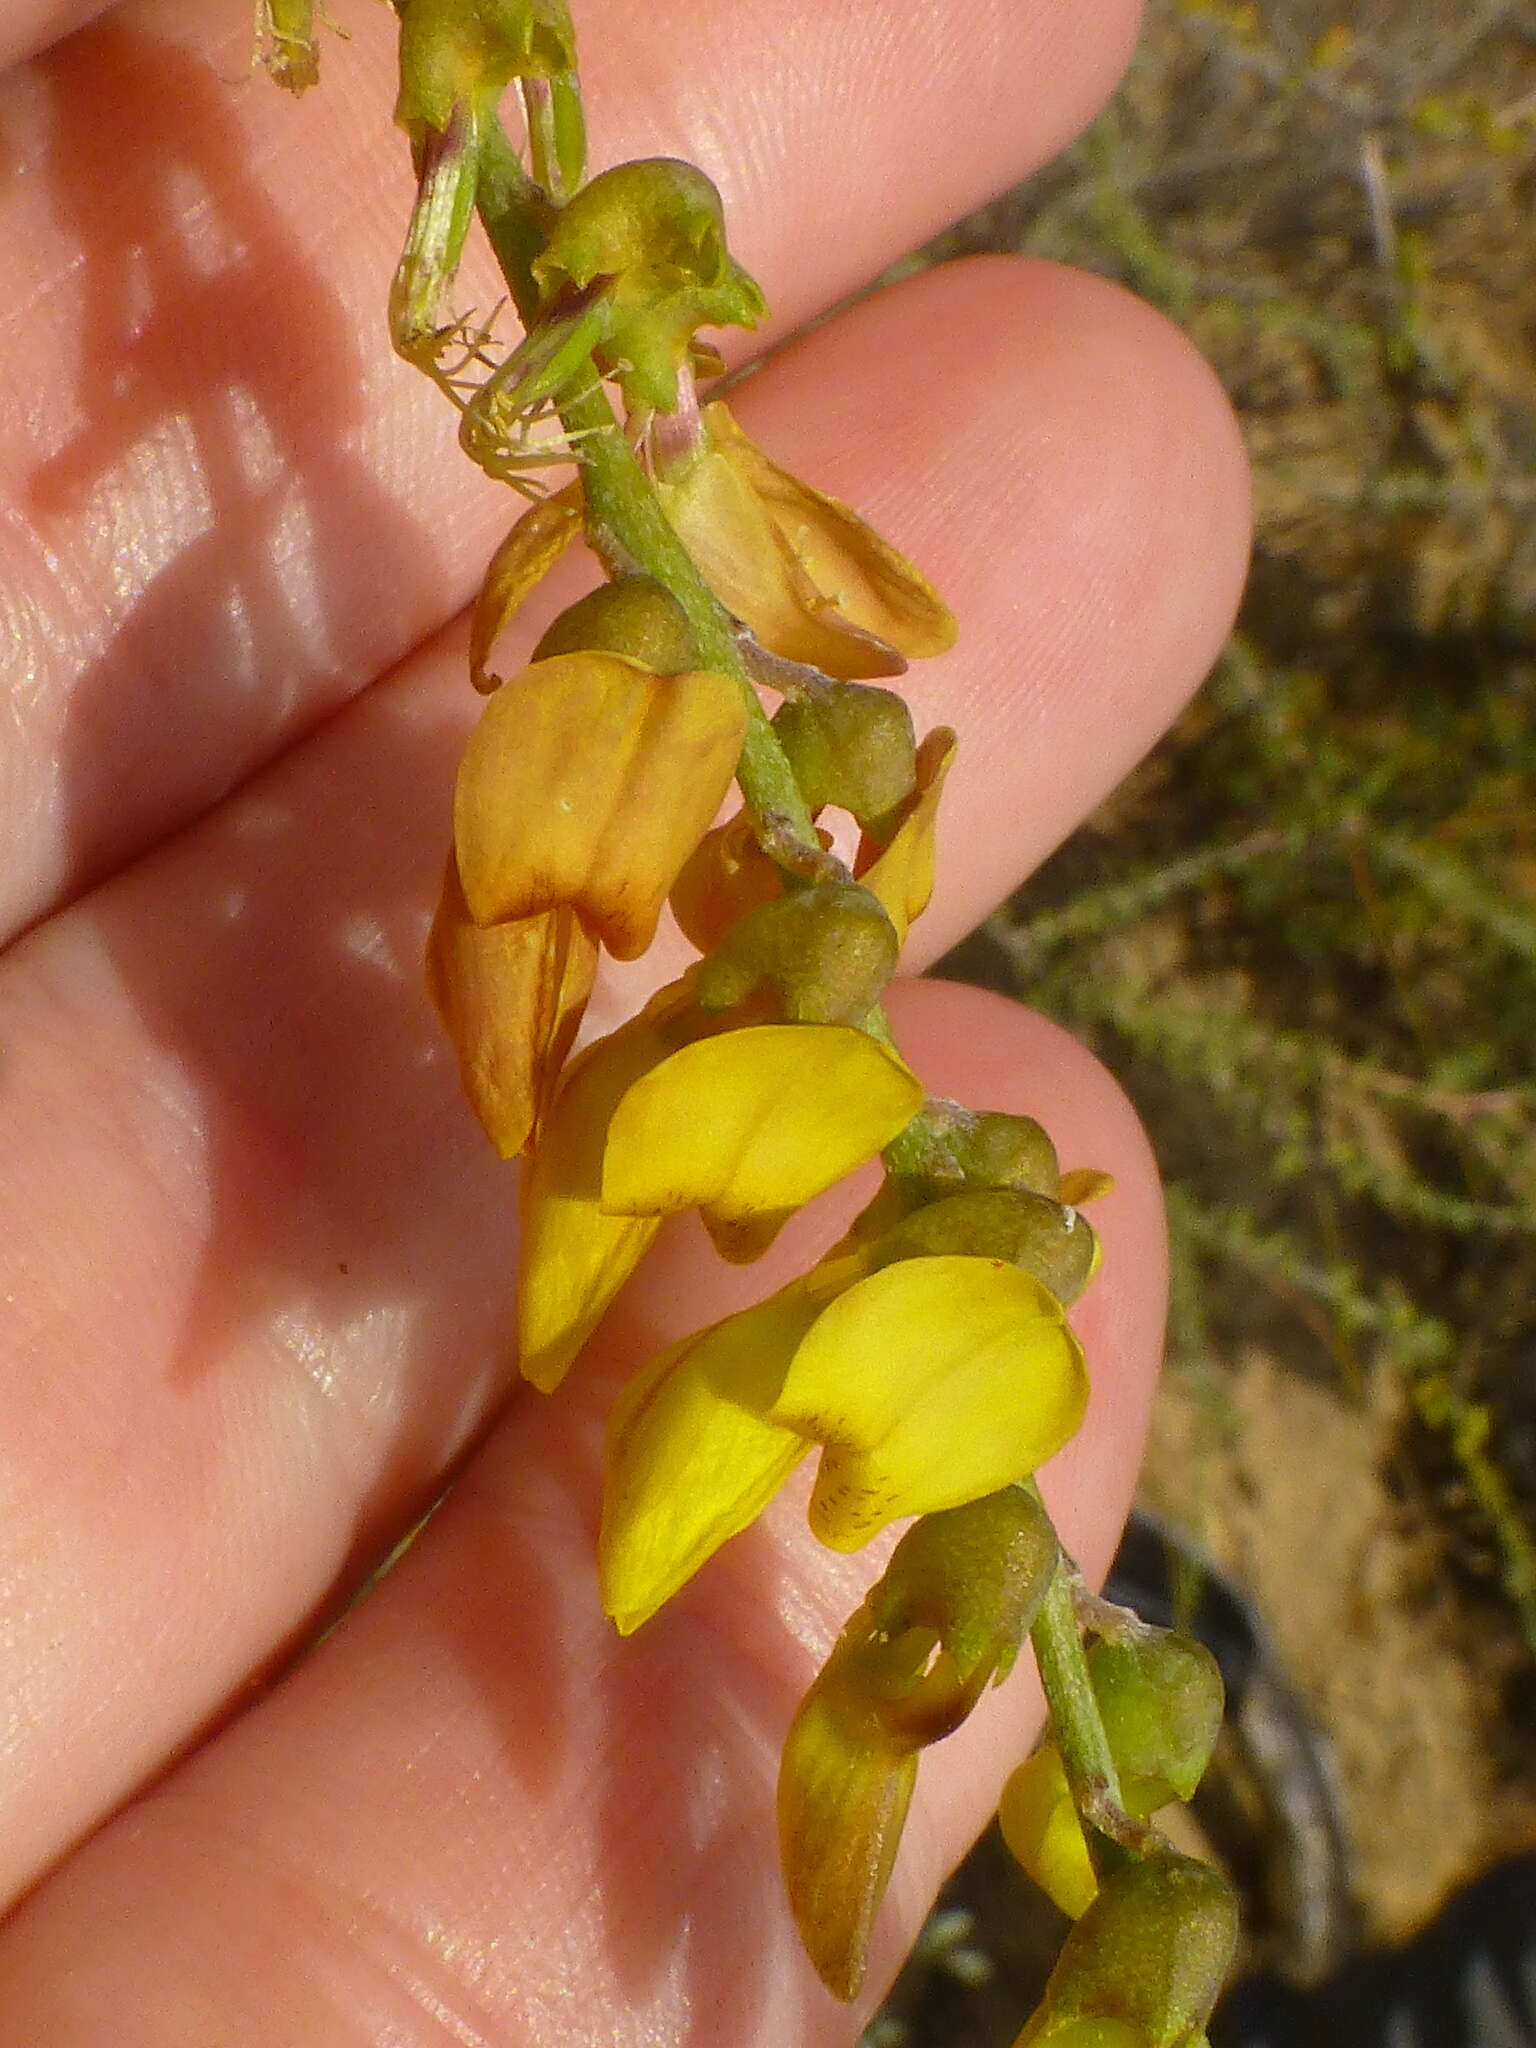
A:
(842, 1804)
(749, 1125)
(588, 782)
(511, 997)
(727, 875)
(524, 559)
(946, 1618)
(901, 872)
(801, 570)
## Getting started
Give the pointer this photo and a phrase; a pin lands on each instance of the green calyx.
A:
(976, 1576)
(633, 615)
(945, 1620)
(823, 954)
(1161, 1699)
(1043, 1238)
(464, 53)
(647, 239)
(850, 746)
(981, 1148)
(1150, 1955)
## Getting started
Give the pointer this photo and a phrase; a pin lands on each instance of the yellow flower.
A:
(749, 1125)
(511, 997)
(1040, 1825)
(679, 1419)
(574, 1256)
(589, 781)
(901, 872)
(803, 572)
(928, 1383)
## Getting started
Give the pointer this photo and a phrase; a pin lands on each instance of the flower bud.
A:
(635, 616)
(1151, 1953)
(997, 1150)
(850, 746)
(826, 953)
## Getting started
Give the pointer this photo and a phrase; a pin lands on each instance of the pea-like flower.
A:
(945, 1620)
(746, 1126)
(1160, 1700)
(586, 785)
(588, 781)
(802, 571)
(926, 1384)
(511, 997)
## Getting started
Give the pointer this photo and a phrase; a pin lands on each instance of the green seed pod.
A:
(1042, 1238)
(976, 1576)
(826, 952)
(456, 53)
(649, 237)
(850, 746)
(1160, 1696)
(634, 615)
(1150, 1953)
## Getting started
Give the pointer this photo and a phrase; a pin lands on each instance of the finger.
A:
(29, 25)
(477, 1815)
(257, 1252)
(226, 508)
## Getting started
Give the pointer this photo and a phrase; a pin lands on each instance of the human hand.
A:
(258, 1271)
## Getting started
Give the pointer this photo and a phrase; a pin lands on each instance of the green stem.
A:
(1076, 1724)
(625, 523)
(629, 531)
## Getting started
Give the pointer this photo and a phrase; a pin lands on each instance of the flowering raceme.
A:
(925, 1362)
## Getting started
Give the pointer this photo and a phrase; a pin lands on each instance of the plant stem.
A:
(629, 532)
(1076, 1724)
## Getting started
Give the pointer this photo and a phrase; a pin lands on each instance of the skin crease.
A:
(258, 1260)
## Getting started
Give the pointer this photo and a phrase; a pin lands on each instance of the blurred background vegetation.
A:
(1305, 933)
